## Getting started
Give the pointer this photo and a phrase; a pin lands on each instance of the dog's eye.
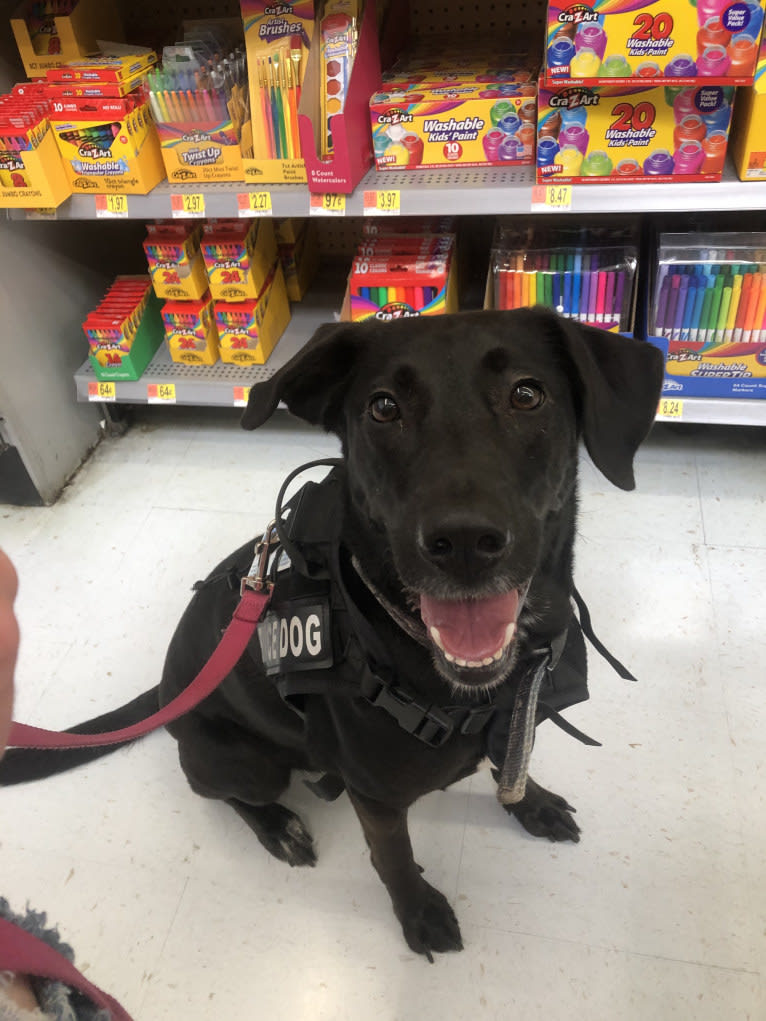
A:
(383, 408)
(527, 395)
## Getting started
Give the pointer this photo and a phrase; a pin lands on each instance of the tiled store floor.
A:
(171, 904)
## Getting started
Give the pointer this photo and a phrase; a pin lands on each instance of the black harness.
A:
(315, 639)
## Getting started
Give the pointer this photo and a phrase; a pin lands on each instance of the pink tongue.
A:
(471, 629)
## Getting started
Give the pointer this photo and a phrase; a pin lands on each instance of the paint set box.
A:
(466, 108)
(748, 141)
(397, 276)
(708, 314)
(624, 42)
(125, 330)
(620, 134)
(586, 274)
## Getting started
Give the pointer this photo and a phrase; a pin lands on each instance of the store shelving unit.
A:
(43, 421)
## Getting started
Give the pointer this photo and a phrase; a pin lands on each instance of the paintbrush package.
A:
(278, 39)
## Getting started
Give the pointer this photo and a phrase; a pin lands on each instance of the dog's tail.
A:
(20, 765)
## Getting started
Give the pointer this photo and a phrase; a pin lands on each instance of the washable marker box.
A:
(249, 330)
(627, 41)
(190, 331)
(619, 134)
(239, 256)
(175, 260)
(708, 314)
(748, 139)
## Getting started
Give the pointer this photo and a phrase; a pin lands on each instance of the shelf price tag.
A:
(102, 391)
(327, 205)
(670, 409)
(161, 393)
(187, 204)
(551, 198)
(111, 207)
(254, 203)
(241, 395)
(382, 203)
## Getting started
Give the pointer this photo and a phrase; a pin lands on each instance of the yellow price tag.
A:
(111, 206)
(160, 393)
(551, 197)
(385, 203)
(254, 203)
(327, 205)
(670, 408)
(187, 204)
(102, 391)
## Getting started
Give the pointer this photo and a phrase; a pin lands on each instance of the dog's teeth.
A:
(498, 655)
(462, 662)
(488, 661)
(449, 658)
(510, 631)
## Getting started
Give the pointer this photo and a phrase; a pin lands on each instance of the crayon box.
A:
(619, 134)
(748, 139)
(108, 145)
(239, 256)
(190, 331)
(175, 260)
(708, 314)
(248, 331)
(125, 331)
(299, 255)
(47, 41)
(625, 41)
(31, 173)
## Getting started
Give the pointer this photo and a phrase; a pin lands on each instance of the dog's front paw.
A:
(432, 925)
(544, 814)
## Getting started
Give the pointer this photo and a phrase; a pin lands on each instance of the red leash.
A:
(223, 660)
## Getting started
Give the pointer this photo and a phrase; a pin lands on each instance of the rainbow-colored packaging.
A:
(278, 39)
(248, 331)
(471, 124)
(175, 260)
(399, 277)
(125, 330)
(748, 138)
(31, 174)
(191, 331)
(109, 145)
(619, 134)
(619, 41)
(239, 256)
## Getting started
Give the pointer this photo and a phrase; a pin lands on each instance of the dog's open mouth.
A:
(472, 633)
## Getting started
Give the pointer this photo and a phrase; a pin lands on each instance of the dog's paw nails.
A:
(433, 927)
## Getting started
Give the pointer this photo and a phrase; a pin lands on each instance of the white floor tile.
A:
(174, 907)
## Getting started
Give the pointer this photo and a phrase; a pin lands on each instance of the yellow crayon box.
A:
(175, 260)
(239, 256)
(47, 40)
(628, 41)
(191, 331)
(622, 134)
(299, 256)
(109, 145)
(748, 139)
(248, 330)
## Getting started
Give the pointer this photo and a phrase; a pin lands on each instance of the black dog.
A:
(429, 592)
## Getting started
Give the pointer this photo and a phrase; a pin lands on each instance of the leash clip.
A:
(256, 577)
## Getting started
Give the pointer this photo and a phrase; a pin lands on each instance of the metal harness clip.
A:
(256, 577)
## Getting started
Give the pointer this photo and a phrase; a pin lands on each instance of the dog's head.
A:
(460, 433)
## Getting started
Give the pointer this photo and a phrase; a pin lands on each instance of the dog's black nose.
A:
(466, 542)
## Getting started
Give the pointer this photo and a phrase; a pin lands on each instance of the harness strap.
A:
(224, 658)
(22, 952)
(587, 629)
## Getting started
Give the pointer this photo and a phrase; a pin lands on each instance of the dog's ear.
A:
(312, 383)
(620, 384)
